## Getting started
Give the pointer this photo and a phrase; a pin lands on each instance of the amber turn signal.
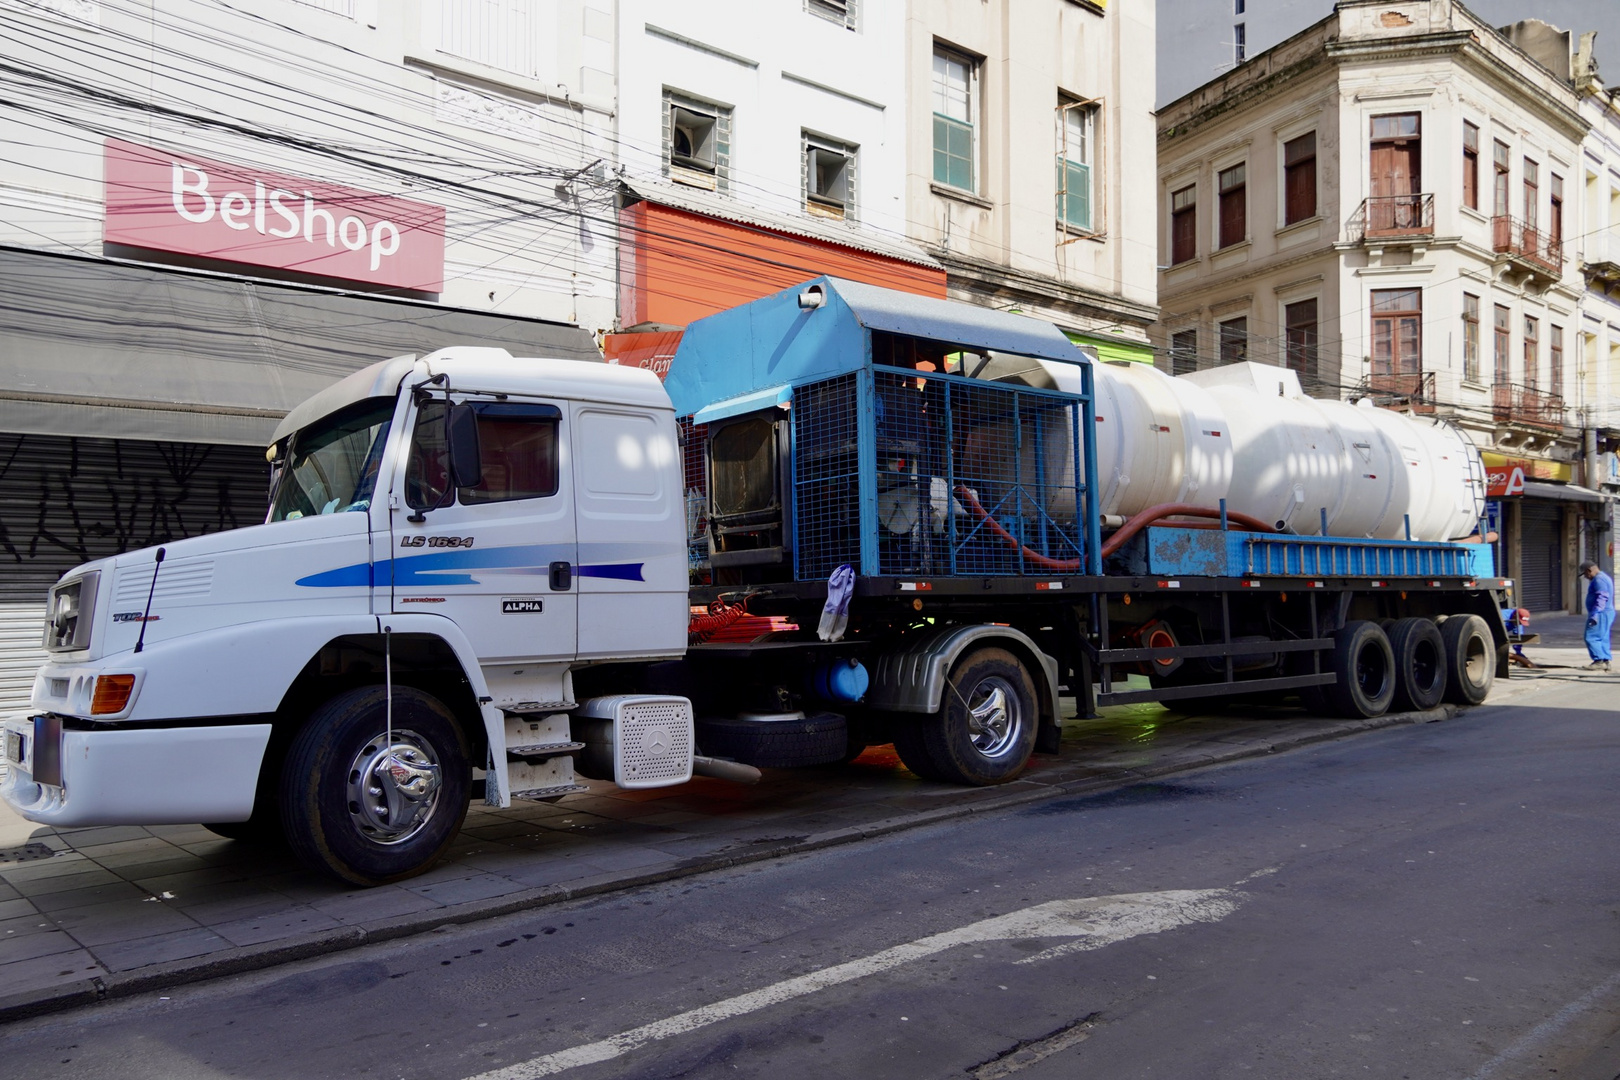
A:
(112, 694)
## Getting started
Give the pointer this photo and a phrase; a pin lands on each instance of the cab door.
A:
(497, 558)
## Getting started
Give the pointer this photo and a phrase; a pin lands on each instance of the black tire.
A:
(817, 739)
(1364, 667)
(1470, 654)
(263, 829)
(912, 747)
(986, 684)
(348, 838)
(1420, 664)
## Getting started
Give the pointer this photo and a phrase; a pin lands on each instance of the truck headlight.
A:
(70, 612)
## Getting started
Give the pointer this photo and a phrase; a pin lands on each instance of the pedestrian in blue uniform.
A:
(1599, 615)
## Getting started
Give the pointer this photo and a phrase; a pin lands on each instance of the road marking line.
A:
(1096, 920)
(1548, 1027)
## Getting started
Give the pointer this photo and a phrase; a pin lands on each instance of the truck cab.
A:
(465, 527)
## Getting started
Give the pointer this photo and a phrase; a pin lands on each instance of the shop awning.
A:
(1537, 489)
(109, 350)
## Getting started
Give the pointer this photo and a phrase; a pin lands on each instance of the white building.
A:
(208, 211)
(1386, 201)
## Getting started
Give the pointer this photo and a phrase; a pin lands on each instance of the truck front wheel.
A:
(370, 805)
(985, 729)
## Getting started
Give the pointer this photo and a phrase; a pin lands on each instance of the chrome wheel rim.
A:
(994, 716)
(394, 787)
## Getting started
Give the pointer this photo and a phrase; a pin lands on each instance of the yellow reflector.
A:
(112, 694)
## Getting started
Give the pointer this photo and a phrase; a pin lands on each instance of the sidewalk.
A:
(92, 913)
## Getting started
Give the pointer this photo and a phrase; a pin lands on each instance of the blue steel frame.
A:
(1082, 442)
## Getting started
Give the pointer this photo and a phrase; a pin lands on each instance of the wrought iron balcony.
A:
(1393, 217)
(1532, 250)
(1414, 389)
(1512, 403)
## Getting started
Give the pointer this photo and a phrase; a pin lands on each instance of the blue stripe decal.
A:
(446, 568)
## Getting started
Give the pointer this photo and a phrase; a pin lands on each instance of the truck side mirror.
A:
(461, 436)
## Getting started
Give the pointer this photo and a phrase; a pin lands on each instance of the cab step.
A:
(555, 792)
(545, 749)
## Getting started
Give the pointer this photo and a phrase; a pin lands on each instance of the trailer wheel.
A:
(1420, 664)
(985, 729)
(1470, 659)
(367, 808)
(1364, 667)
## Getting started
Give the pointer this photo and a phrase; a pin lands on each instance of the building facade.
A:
(210, 211)
(1599, 255)
(1029, 119)
(1385, 203)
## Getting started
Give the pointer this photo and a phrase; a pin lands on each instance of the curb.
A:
(237, 961)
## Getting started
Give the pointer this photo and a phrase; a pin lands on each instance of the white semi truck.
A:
(481, 571)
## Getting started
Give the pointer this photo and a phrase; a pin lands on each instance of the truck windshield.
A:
(332, 464)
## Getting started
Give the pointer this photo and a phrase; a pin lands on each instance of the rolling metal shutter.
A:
(65, 501)
(1541, 584)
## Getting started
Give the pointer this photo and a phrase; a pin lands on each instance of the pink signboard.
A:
(194, 206)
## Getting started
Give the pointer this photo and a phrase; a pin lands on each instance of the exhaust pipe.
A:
(725, 770)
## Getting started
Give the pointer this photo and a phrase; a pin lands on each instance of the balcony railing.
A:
(1415, 389)
(1532, 248)
(1393, 217)
(1601, 259)
(1512, 403)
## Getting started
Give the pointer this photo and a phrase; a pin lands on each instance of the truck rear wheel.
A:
(985, 729)
(1364, 668)
(367, 805)
(1470, 657)
(1420, 664)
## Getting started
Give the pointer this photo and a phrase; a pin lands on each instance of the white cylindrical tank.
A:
(1247, 433)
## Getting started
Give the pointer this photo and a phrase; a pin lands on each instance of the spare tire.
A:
(793, 742)
(1470, 654)
(1420, 664)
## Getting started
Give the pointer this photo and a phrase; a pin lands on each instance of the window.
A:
(505, 34)
(1499, 161)
(1532, 352)
(1502, 331)
(1240, 43)
(1238, 6)
(1183, 352)
(1532, 192)
(1300, 325)
(331, 466)
(1470, 338)
(1397, 332)
(1184, 224)
(1470, 166)
(1555, 361)
(1234, 199)
(517, 450)
(1076, 137)
(829, 177)
(841, 12)
(1396, 160)
(1555, 215)
(955, 118)
(697, 142)
(1234, 341)
(1299, 178)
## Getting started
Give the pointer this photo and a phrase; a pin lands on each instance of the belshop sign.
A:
(194, 206)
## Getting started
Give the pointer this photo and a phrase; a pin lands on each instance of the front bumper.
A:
(130, 775)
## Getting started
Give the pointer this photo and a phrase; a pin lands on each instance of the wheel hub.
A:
(393, 787)
(993, 720)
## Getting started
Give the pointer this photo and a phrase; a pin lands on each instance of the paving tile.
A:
(88, 875)
(46, 971)
(8, 891)
(68, 899)
(197, 877)
(138, 868)
(460, 891)
(275, 926)
(16, 908)
(182, 834)
(27, 947)
(25, 924)
(44, 868)
(158, 949)
(627, 857)
(220, 905)
(370, 905)
(99, 852)
(104, 834)
(121, 920)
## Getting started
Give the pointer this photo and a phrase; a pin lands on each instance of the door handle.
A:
(562, 576)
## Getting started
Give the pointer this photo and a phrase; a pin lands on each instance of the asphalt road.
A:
(1420, 902)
